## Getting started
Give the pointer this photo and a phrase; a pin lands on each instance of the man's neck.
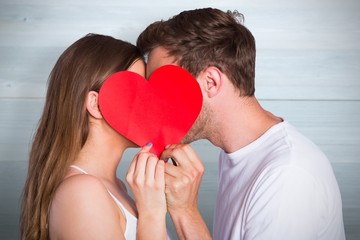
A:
(241, 123)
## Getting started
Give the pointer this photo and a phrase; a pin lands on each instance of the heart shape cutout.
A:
(160, 110)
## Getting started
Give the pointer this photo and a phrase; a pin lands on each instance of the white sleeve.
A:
(285, 203)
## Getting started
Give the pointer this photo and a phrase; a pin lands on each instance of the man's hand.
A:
(182, 182)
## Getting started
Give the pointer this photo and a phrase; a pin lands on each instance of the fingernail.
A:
(154, 153)
(149, 144)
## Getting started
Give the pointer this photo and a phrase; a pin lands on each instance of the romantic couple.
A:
(273, 182)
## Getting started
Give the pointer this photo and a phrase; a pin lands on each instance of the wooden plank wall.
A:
(308, 68)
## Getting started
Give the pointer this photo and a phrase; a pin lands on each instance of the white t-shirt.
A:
(280, 186)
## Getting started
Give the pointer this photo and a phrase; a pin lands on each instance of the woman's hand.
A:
(146, 178)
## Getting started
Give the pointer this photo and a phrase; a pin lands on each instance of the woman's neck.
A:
(101, 154)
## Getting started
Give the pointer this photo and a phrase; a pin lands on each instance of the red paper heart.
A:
(160, 110)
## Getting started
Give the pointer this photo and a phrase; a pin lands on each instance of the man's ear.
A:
(210, 81)
(92, 104)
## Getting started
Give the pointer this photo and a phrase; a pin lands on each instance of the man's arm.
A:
(182, 182)
(190, 225)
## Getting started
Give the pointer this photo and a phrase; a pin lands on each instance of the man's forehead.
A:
(156, 58)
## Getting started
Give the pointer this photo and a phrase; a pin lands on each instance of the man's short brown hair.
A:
(206, 37)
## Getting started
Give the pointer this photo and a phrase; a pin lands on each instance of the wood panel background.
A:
(308, 68)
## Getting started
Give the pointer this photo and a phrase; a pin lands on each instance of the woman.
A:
(72, 191)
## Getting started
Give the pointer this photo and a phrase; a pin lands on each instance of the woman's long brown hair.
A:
(63, 127)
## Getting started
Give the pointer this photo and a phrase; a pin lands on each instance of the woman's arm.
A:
(146, 180)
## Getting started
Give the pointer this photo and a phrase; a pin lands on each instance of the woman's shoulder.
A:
(82, 190)
(80, 183)
(82, 201)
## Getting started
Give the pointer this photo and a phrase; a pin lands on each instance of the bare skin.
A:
(227, 120)
(82, 207)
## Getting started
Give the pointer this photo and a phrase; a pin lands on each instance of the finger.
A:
(189, 157)
(192, 156)
(150, 168)
(179, 155)
(131, 170)
(132, 167)
(189, 150)
(160, 172)
(141, 165)
(166, 153)
(173, 171)
(146, 148)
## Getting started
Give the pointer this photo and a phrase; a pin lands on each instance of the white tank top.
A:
(131, 220)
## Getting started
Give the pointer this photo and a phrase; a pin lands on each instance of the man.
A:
(273, 182)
